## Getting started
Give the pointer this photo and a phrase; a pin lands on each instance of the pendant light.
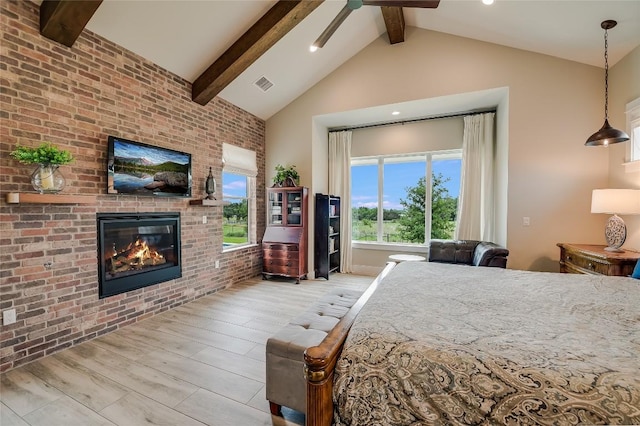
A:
(607, 134)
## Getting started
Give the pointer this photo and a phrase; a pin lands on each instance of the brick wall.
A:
(76, 97)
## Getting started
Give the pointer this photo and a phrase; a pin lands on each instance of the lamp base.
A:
(613, 250)
(615, 233)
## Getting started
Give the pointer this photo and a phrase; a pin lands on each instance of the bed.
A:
(451, 344)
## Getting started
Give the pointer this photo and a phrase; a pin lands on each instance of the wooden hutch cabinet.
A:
(284, 246)
(327, 235)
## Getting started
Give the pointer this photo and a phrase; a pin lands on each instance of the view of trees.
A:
(443, 211)
(234, 222)
(407, 225)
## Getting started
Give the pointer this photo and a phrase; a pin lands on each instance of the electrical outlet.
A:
(526, 221)
(217, 264)
(9, 317)
(204, 219)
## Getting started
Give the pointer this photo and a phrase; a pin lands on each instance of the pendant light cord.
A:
(606, 74)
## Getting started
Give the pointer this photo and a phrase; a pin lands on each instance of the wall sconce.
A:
(615, 201)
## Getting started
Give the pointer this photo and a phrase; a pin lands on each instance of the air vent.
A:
(264, 84)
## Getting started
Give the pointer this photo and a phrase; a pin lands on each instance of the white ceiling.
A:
(185, 36)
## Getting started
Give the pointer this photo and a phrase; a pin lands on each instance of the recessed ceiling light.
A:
(395, 113)
(487, 2)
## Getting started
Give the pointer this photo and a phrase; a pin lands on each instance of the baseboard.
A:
(372, 271)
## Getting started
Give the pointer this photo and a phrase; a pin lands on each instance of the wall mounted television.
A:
(135, 168)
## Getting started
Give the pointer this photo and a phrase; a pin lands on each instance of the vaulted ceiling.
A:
(224, 47)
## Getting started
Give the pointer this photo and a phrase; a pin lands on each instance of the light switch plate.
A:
(9, 317)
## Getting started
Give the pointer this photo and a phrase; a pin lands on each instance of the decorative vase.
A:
(289, 182)
(47, 179)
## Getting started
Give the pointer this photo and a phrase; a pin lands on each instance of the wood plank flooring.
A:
(202, 363)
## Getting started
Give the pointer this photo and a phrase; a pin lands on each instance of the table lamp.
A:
(615, 202)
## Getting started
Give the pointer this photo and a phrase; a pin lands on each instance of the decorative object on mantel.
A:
(286, 176)
(46, 178)
(210, 186)
(615, 201)
(607, 134)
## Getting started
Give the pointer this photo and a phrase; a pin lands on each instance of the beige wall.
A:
(624, 87)
(552, 106)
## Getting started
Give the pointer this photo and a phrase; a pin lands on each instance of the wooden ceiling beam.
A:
(394, 21)
(64, 20)
(270, 28)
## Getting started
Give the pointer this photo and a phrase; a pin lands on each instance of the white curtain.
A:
(340, 185)
(476, 213)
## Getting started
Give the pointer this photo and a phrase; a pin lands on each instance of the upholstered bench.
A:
(286, 385)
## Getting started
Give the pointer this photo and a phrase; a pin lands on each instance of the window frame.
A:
(429, 157)
(242, 162)
(250, 212)
(633, 129)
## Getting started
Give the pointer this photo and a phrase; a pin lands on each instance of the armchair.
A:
(468, 252)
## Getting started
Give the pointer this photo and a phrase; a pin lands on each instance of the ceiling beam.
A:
(64, 20)
(394, 21)
(270, 28)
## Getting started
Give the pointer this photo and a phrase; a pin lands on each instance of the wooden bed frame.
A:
(320, 361)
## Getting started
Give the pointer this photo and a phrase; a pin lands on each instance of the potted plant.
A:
(46, 178)
(286, 176)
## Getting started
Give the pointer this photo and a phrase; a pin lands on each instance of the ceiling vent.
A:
(263, 83)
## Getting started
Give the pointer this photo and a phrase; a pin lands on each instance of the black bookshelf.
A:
(327, 235)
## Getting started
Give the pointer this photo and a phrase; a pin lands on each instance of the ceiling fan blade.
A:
(426, 4)
(333, 26)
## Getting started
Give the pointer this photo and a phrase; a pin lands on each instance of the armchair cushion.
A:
(468, 252)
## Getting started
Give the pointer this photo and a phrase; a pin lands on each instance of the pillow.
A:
(636, 271)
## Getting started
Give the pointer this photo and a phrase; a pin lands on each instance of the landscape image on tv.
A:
(139, 169)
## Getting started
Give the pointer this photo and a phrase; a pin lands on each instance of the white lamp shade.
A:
(615, 201)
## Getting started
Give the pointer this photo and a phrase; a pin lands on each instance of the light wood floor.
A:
(200, 364)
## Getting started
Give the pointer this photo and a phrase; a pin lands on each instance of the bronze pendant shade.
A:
(607, 135)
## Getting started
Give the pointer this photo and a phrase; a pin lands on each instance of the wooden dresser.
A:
(593, 259)
(284, 245)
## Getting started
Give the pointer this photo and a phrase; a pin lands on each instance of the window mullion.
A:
(380, 227)
(428, 183)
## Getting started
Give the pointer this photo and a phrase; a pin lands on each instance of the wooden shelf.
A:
(208, 203)
(33, 198)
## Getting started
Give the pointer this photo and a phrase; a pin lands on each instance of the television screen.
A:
(136, 168)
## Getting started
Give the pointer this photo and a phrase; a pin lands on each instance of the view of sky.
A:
(397, 177)
(233, 185)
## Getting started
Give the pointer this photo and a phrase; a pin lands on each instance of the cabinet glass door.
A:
(294, 208)
(275, 212)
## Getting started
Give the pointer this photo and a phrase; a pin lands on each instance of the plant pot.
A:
(47, 179)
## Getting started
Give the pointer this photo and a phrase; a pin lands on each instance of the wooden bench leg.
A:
(276, 409)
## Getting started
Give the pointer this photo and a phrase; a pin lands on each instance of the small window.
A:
(633, 126)
(239, 170)
(235, 213)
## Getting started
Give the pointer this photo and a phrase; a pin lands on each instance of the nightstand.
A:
(593, 259)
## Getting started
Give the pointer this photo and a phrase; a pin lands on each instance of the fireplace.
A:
(137, 250)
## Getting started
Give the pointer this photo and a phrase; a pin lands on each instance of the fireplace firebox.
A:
(136, 250)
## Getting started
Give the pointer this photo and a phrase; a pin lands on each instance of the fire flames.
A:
(136, 255)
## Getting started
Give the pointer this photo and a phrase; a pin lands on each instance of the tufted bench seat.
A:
(286, 383)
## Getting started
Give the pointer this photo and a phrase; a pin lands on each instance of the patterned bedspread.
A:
(441, 344)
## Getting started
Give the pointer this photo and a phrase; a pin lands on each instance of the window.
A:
(235, 213)
(390, 202)
(633, 126)
(238, 192)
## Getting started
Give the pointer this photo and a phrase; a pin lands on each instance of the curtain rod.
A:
(414, 120)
